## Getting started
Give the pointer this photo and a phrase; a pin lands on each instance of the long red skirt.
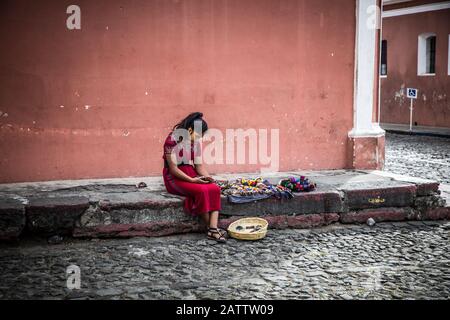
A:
(200, 198)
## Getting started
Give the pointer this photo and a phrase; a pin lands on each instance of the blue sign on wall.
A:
(412, 93)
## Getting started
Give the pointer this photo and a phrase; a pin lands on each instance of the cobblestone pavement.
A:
(400, 260)
(419, 156)
(387, 261)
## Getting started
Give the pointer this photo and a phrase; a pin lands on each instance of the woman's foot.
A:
(223, 232)
(217, 235)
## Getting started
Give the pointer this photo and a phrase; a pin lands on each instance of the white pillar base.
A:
(374, 132)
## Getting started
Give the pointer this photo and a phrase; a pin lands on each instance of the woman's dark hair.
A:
(189, 121)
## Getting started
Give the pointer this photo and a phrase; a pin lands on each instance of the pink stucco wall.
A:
(433, 106)
(99, 102)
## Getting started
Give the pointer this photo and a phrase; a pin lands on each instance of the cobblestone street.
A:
(388, 261)
(419, 156)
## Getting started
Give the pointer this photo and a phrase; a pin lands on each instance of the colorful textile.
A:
(301, 184)
(248, 190)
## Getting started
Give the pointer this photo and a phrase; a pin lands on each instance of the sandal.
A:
(221, 238)
(223, 232)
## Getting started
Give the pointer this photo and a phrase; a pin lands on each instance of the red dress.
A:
(200, 198)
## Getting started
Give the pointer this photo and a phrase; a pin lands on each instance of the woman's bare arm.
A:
(202, 171)
(177, 173)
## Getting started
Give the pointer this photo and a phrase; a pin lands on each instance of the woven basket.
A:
(247, 234)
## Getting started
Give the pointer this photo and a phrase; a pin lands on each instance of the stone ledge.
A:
(50, 215)
(295, 222)
(122, 210)
(379, 215)
(389, 196)
(436, 214)
(164, 228)
(320, 201)
(424, 187)
(154, 229)
(12, 219)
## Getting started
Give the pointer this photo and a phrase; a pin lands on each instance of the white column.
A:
(365, 71)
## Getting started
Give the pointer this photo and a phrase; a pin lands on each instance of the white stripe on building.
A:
(417, 9)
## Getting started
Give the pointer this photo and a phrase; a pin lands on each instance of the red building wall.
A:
(99, 102)
(433, 106)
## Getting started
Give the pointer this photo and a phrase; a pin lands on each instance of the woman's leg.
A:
(214, 219)
(200, 198)
(213, 230)
(205, 218)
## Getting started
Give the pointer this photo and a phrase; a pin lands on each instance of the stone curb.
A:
(155, 213)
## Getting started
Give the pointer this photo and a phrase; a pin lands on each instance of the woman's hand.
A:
(201, 171)
(208, 178)
(199, 180)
